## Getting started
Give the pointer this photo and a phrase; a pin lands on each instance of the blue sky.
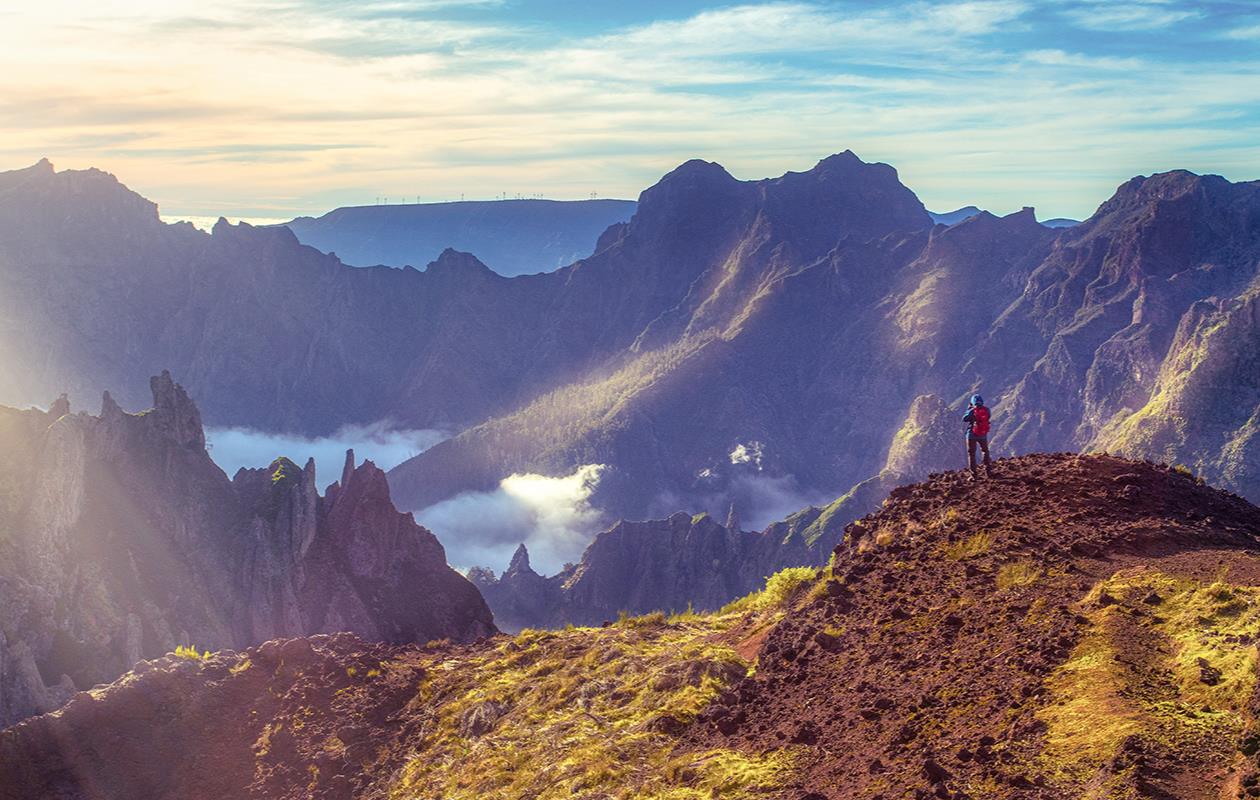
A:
(272, 108)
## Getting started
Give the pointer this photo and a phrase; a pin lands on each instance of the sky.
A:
(273, 108)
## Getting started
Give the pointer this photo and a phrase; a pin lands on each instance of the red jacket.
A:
(978, 416)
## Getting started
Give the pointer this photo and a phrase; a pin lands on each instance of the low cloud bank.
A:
(749, 479)
(552, 516)
(233, 448)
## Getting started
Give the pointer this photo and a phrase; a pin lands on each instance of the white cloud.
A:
(1244, 32)
(1133, 16)
(551, 515)
(747, 454)
(387, 447)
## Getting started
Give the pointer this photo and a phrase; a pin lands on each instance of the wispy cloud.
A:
(1132, 16)
(291, 106)
(1244, 32)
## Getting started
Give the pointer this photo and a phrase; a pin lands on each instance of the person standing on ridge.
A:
(977, 419)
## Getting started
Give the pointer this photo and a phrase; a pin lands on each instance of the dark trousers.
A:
(972, 441)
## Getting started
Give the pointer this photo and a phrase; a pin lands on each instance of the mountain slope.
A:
(883, 320)
(514, 237)
(121, 540)
(797, 317)
(1083, 626)
(1070, 333)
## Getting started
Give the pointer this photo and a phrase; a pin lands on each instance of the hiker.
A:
(977, 419)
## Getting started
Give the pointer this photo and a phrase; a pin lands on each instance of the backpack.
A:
(980, 421)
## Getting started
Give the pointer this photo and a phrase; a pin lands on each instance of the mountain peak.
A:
(175, 412)
(520, 562)
(955, 216)
(455, 264)
(699, 168)
(1143, 190)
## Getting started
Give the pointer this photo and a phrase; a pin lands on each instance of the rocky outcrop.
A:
(661, 565)
(1050, 633)
(121, 540)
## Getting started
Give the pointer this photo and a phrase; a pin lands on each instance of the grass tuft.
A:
(1017, 575)
(975, 545)
(781, 588)
(191, 653)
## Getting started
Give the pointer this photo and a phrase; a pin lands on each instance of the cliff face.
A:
(122, 540)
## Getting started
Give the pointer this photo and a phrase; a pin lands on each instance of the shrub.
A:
(781, 588)
(1017, 574)
(191, 653)
(975, 545)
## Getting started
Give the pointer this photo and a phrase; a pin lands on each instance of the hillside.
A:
(1080, 626)
(121, 540)
(512, 237)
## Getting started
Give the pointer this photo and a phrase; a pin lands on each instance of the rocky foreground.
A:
(1079, 626)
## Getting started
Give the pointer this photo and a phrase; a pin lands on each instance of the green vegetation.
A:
(283, 470)
(588, 712)
(975, 545)
(191, 653)
(829, 517)
(1016, 575)
(781, 589)
(1181, 678)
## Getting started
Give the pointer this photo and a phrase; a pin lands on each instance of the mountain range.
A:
(513, 237)
(761, 343)
(967, 212)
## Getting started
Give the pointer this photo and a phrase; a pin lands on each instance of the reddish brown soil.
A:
(914, 676)
(907, 674)
(320, 717)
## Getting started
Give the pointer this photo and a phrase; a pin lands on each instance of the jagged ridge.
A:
(121, 540)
